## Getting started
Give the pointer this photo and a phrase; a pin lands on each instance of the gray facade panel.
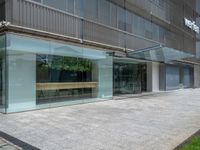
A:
(32, 15)
(162, 77)
(108, 23)
(172, 77)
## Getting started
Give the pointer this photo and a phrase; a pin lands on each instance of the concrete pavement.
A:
(155, 122)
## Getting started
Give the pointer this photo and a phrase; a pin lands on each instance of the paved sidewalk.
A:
(156, 122)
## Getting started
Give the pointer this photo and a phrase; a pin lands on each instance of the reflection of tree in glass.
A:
(67, 63)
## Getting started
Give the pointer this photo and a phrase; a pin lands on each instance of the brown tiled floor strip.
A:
(16, 142)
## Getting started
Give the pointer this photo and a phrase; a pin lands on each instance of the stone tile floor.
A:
(155, 122)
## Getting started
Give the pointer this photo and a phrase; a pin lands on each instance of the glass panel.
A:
(21, 61)
(70, 6)
(69, 72)
(2, 74)
(90, 8)
(61, 4)
(160, 54)
(129, 78)
(114, 15)
(104, 12)
(2, 10)
(47, 74)
(129, 21)
(121, 18)
(78, 7)
(39, 1)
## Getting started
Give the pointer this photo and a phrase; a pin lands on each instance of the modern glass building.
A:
(55, 53)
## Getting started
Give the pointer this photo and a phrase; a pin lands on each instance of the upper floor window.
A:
(39, 1)
(61, 4)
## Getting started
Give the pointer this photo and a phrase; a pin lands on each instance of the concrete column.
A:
(196, 76)
(152, 77)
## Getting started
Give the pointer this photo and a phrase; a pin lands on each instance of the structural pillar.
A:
(196, 76)
(152, 77)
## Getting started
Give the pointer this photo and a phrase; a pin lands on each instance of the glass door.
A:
(128, 78)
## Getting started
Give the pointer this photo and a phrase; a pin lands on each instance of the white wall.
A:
(152, 76)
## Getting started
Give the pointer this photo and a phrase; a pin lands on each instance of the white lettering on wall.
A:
(191, 25)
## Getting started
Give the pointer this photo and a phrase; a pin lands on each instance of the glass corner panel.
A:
(2, 74)
(21, 71)
(44, 74)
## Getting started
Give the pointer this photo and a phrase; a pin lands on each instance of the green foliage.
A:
(194, 144)
(70, 64)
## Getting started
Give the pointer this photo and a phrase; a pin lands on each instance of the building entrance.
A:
(129, 78)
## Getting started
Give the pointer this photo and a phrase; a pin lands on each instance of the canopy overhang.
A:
(159, 53)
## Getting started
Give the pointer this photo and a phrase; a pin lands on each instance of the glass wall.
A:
(47, 74)
(129, 77)
(2, 74)
(2, 10)
(72, 75)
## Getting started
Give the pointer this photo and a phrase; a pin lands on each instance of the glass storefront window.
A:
(68, 78)
(46, 74)
(2, 74)
(129, 77)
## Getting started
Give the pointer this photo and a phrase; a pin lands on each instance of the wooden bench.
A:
(65, 85)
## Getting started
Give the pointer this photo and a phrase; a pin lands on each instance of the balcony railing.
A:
(28, 14)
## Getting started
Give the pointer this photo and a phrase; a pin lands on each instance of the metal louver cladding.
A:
(159, 53)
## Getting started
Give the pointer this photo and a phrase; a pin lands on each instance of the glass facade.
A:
(71, 75)
(129, 77)
(41, 72)
(2, 73)
(160, 54)
(45, 73)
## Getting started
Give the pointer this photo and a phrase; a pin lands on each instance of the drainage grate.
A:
(6, 145)
(8, 142)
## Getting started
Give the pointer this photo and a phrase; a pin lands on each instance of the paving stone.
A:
(155, 122)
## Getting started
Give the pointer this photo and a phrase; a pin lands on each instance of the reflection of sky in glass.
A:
(161, 54)
(31, 45)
